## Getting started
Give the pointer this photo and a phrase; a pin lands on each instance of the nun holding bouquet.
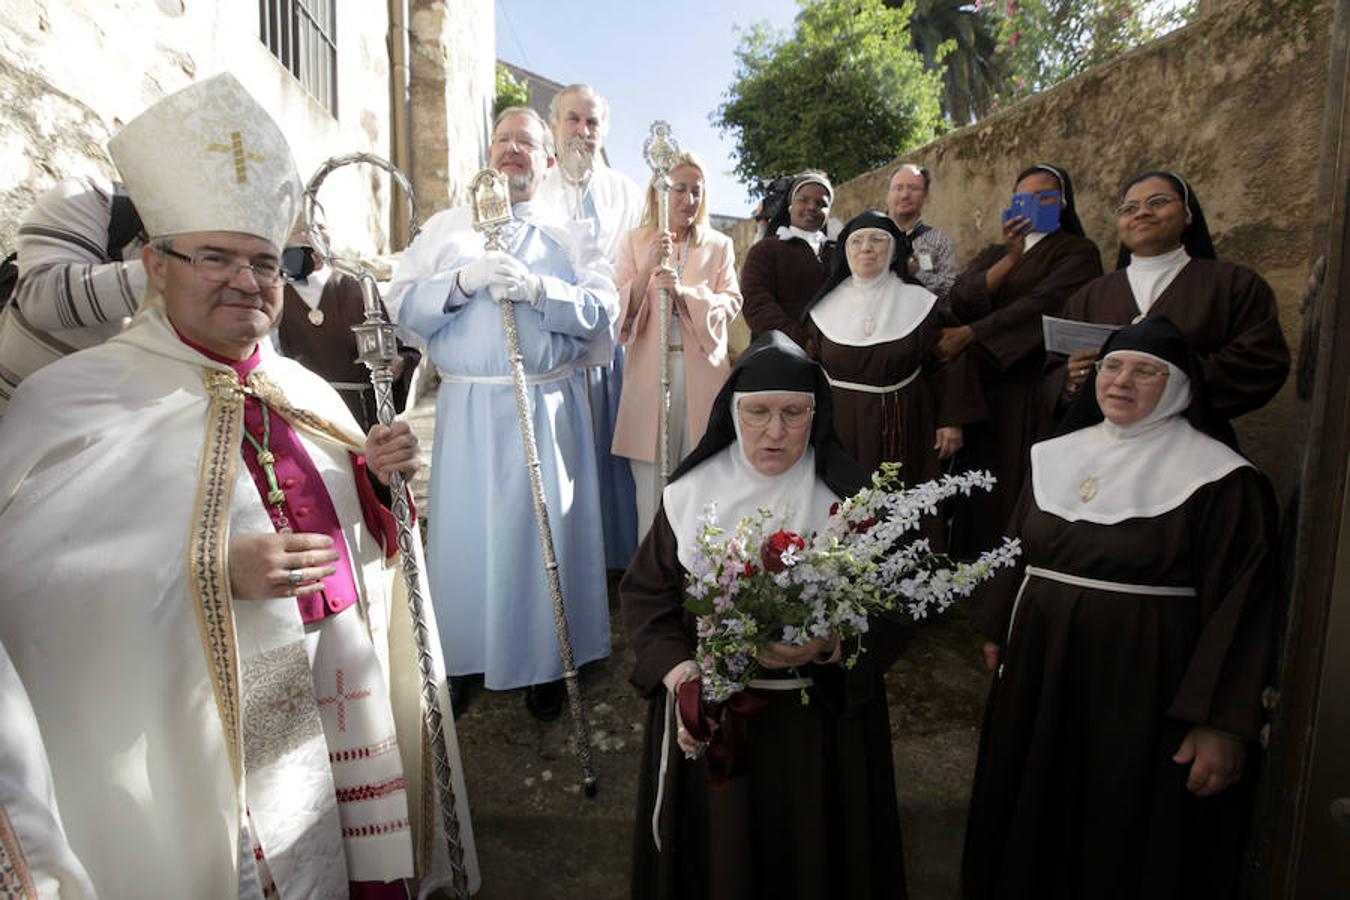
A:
(803, 595)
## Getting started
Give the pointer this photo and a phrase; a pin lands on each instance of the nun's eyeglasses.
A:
(1154, 203)
(757, 416)
(1140, 372)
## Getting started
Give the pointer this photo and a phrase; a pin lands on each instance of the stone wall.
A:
(1234, 102)
(453, 44)
(73, 71)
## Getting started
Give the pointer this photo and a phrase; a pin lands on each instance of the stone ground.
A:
(540, 838)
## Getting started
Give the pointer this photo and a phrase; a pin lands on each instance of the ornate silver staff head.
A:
(375, 342)
(490, 197)
(575, 161)
(660, 149)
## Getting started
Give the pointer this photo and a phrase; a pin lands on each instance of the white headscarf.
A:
(1107, 473)
(861, 312)
(801, 500)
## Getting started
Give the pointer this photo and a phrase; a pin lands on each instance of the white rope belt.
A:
(780, 684)
(763, 684)
(1119, 587)
(552, 376)
(872, 388)
(1096, 584)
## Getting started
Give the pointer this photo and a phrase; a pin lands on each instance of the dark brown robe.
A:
(1009, 353)
(814, 818)
(900, 426)
(329, 348)
(1076, 794)
(1226, 311)
(778, 280)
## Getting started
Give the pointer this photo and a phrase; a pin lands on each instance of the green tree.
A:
(959, 39)
(509, 91)
(844, 91)
(1042, 42)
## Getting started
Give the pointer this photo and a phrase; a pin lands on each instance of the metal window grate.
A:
(302, 34)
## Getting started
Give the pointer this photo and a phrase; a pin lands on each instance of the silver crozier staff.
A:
(490, 196)
(377, 348)
(662, 152)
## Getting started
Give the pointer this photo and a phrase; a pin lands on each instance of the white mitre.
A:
(209, 158)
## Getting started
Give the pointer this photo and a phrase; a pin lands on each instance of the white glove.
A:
(529, 290)
(492, 267)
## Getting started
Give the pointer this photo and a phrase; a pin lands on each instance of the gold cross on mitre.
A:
(236, 151)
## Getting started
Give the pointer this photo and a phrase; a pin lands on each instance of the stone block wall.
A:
(73, 71)
(1233, 102)
(453, 53)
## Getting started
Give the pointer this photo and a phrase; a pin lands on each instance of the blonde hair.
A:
(700, 223)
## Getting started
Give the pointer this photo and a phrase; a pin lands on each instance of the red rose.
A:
(749, 569)
(863, 526)
(771, 552)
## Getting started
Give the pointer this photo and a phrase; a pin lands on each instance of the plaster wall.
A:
(73, 71)
(1233, 102)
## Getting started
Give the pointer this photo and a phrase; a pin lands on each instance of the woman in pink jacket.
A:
(698, 266)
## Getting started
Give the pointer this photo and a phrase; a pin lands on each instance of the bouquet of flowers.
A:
(753, 585)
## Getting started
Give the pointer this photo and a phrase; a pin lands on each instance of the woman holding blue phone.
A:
(999, 299)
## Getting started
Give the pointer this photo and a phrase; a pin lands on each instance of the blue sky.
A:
(650, 61)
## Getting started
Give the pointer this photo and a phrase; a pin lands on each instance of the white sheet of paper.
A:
(1067, 336)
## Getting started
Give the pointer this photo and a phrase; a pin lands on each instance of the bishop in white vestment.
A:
(197, 570)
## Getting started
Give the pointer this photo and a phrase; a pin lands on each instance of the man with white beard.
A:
(610, 203)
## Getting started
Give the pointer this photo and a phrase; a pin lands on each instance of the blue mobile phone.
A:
(1040, 208)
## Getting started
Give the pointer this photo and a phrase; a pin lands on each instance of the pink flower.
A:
(1016, 36)
(771, 553)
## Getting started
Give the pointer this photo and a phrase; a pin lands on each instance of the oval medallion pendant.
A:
(316, 317)
(1088, 489)
(869, 326)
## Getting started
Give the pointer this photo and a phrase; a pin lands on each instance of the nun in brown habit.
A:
(875, 328)
(1115, 757)
(809, 811)
(1167, 266)
(1000, 298)
(783, 270)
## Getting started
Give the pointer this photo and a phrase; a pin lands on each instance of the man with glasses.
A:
(196, 564)
(488, 577)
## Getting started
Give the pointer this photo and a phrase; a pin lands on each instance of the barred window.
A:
(303, 35)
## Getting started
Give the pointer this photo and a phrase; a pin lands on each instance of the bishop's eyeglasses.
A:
(220, 268)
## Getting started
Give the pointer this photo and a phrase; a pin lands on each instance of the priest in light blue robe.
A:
(486, 566)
